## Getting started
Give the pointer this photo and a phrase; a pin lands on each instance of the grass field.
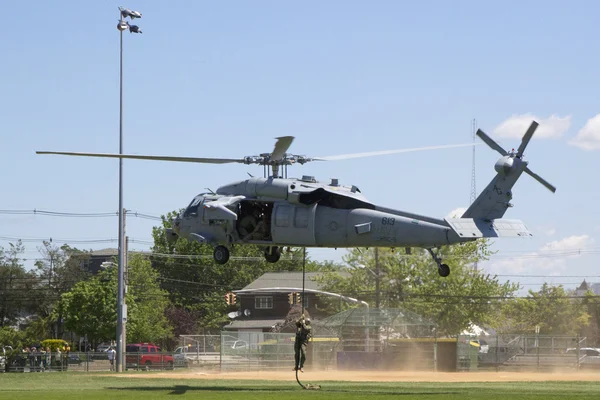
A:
(92, 386)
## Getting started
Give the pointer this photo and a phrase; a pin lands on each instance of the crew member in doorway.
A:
(303, 334)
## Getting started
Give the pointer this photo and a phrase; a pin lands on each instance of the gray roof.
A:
(287, 279)
(254, 324)
(105, 252)
(585, 286)
(595, 287)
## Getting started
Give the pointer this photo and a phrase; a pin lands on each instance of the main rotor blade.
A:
(540, 180)
(490, 142)
(385, 152)
(281, 146)
(527, 138)
(138, 157)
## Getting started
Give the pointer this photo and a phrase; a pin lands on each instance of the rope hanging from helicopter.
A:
(308, 385)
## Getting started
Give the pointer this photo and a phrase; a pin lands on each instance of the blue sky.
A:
(224, 79)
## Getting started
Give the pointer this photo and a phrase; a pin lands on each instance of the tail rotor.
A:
(519, 154)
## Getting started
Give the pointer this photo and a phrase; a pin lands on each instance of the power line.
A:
(66, 241)
(79, 215)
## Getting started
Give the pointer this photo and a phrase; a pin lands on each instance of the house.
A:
(97, 257)
(94, 263)
(584, 287)
(266, 302)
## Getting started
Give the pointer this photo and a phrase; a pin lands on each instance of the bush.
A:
(56, 344)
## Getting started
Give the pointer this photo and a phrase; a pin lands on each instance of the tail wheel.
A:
(444, 270)
(148, 365)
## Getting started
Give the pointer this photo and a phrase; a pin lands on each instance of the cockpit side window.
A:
(193, 207)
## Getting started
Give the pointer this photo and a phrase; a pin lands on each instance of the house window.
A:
(263, 302)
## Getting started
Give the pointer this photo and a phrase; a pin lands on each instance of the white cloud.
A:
(550, 259)
(569, 244)
(456, 213)
(588, 138)
(516, 126)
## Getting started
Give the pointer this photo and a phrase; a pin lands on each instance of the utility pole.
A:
(121, 307)
(377, 295)
(125, 282)
(473, 181)
(473, 188)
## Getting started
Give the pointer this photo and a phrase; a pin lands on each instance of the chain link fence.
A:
(242, 351)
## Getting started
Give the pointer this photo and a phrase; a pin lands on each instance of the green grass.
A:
(67, 386)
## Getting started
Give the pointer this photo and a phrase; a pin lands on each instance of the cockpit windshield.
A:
(192, 209)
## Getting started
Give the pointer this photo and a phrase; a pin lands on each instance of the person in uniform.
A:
(303, 335)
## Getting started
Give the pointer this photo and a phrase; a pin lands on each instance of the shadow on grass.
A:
(182, 389)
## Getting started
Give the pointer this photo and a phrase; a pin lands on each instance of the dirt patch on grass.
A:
(374, 376)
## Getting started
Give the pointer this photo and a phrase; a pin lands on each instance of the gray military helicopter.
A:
(276, 211)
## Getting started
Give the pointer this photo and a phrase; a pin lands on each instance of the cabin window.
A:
(263, 302)
(282, 216)
(301, 218)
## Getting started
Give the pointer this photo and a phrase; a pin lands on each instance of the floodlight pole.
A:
(121, 306)
(121, 342)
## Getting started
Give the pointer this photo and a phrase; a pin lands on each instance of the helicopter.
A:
(276, 211)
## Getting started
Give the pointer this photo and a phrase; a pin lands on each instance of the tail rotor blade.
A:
(540, 180)
(527, 138)
(490, 142)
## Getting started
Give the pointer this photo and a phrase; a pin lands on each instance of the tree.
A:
(58, 271)
(411, 282)
(551, 308)
(197, 284)
(89, 308)
(591, 302)
(16, 284)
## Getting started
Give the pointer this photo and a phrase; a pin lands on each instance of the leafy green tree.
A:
(551, 307)
(591, 302)
(16, 285)
(58, 271)
(89, 308)
(411, 282)
(197, 284)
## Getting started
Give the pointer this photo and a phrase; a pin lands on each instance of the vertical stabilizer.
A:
(494, 200)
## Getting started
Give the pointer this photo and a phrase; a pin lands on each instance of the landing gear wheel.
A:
(444, 270)
(272, 254)
(221, 254)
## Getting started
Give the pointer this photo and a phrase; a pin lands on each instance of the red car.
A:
(147, 356)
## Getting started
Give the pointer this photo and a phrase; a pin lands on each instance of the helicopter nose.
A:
(173, 233)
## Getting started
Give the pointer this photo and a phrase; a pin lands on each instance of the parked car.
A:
(103, 348)
(589, 357)
(147, 356)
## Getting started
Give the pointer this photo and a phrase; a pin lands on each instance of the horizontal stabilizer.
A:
(479, 228)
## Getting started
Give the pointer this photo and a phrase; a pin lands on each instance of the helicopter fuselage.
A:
(304, 212)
